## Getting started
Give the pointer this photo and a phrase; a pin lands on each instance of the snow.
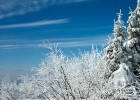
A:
(122, 77)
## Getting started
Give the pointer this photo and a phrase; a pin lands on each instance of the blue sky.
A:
(25, 24)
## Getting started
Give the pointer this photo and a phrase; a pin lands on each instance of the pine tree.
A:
(119, 60)
(114, 51)
(133, 42)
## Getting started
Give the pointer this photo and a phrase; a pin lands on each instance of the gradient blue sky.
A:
(25, 24)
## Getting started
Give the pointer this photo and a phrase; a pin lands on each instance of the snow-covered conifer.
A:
(114, 51)
(133, 42)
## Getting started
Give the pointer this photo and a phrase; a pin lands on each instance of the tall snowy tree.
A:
(133, 42)
(120, 68)
(114, 51)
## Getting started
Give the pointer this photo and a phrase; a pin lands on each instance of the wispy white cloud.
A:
(10, 8)
(19, 46)
(34, 24)
(63, 43)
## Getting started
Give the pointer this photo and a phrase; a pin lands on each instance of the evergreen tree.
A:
(114, 51)
(133, 42)
(118, 59)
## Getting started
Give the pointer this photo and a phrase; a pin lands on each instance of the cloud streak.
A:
(35, 24)
(9, 8)
(63, 43)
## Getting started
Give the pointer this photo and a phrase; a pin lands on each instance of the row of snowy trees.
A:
(111, 75)
(123, 53)
(61, 78)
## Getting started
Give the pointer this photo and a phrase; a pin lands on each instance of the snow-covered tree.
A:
(114, 51)
(9, 90)
(71, 78)
(121, 76)
(133, 42)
